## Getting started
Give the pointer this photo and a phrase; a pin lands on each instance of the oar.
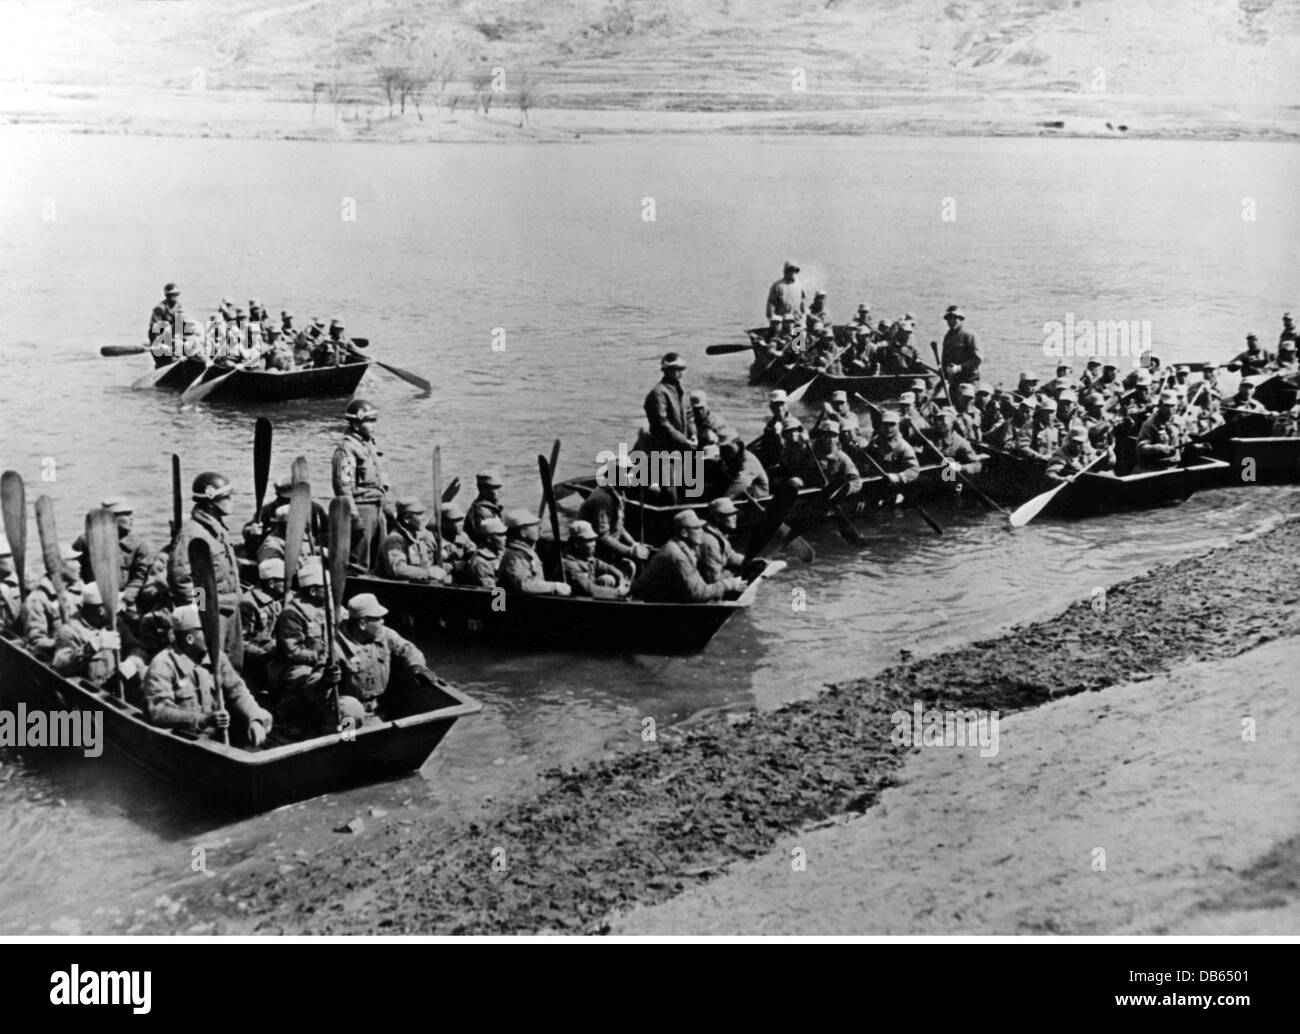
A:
(295, 529)
(155, 375)
(728, 349)
(298, 472)
(548, 492)
(555, 458)
(201, 389)
(451, 491)
(934, 525)
(178, 516)
(106, 563)
(437, 494)
(113, 351)
(261, 462)
(774, 522)
(205, 586)
(847, 531)
(50, 550)
(187, 394)
(1027, 512)
(340, 545)
(333, 599)
(943, 377)
(963, 478)
(396, 371)
(791, 539)
(13, 500)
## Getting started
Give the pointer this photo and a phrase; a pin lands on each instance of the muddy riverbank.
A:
(660, 817)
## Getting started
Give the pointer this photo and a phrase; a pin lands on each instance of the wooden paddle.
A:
(783, 502)
(934, 525)
(49, 536)
(1027, 512)
(989, 503)
(333, 601)
(295, 530)
(846, 529)
(548, 494)
(790, 537)
(340, 545)
(451, 491)
(555, 458)
(178, 514)
(437, 495)
(13, 500)
(114, 351)
(728, 349)
(261, 462)
(298, 472)
(106, 563)
(396, 371)
(201, 389)
(154, 376)
(205, 589)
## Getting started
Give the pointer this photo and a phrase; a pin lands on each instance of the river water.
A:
(428, 250)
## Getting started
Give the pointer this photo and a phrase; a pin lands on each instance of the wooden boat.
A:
(1013, 480)
(1252, 452)
(874, 387)
(246, 780)
(267, 385)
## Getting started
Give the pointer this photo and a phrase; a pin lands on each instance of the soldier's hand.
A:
(332, 675)
(734, 583)
(256, 734)
(642, 551)
(625, 589)
(424, 674)
(218, 720)
(894, 479)
(561, 589)
(253, 529)
(110, 639)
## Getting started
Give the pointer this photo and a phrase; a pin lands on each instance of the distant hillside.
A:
(1234, 60)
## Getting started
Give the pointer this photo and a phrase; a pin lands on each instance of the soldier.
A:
(1067, 412)
(481, 569)
(1160, 440)
(279, 355)
(743, 470)
(42, 613)
(988, 408)
(673, 575)
(1287, 423)
(288, 332)
(212, 505)
(1091, 374)
(923, 400)
(911, 419)
(254, 531)
(851, 428)
(411, 552)
(359, 474)
(368, 653)
(1028, 386)
(1094, 409)
(817, 311)
(1205, 417)
(486, 505)
(1288, 331)
(797, 459)
(1108, 382)
(1015, 430)
(786, 297)
(1245, 399)
(1064, 380)
(1287, 357)
(959, 354)
(837, 469)
(457, 547)
(86, 646)
(304, 344)
(259, 612)
(167, 314)
(521, 567)
(11, 601)
(969, 423)
(717, 558)
(892, 452)
(272, 546)
(332, 350)
(706, 424)
(297, 669)
(137, 556)
(1075, 454)
(179, 691)
(896, 356)
(1254, 360)
(605, 509)
(672, 430)
(589, 576)
(774, 429)
(958, 454)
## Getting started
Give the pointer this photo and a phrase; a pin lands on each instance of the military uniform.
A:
(751, 478)
(896, 457)
(357, 473)
(412, 557)
(583, 575)
(673, 576)
(481, 569)
(480, 510)
(970, 424)
(300, 647)
(838, 470)
(521, 570)
(11, 604)
(179, 692)
(1154, 434)
(368, 667)
(716, 556)
(954, 447)
(259, 611)
(960, 348)
(79, 651)
(209, 527)
(41, 619)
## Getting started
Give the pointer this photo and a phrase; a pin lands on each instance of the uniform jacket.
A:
(480, 510)
(673, 576)
(582, 574)
(955, 447)
(300, 634)
(357, 470)
(1151, 436)
(521, 570)
(671, 421)
(716, 556)
(367, 667)
(785, 299)
(11, 606)
(751, 478)
(897, 457)
(78, 650)
(959, 347)
(41, 619)
(178, 693)
(206, 525)
(259, 611)
(482, 568)
(412, 557)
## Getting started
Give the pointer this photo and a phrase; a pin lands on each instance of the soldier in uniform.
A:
(137, 555)
(1161, 439)
(521, 567)
(911, 419)
(960, 353)
(259, 612)
(797, 458)
(1016, 430)
(586, 574)
(673, 575)
(605, 509)
(786, 297)
(457, 547)
(1028, 386)
(1288, 331)
(744, 473)
(42, 612)
(486, 504)
(836, 468)
(358, 474)
(297, 669)
(481, 568)
(969, 419)
(1108, 382)
(288, 332)
(410, 551)
(1067, 412)
(773, 435)
(167, 314)
(817, 312)
(1075, 454)
(279, 355)
(179, 692)
(1091, 374)
(212, 505)
(369, 651)
(1254, 360)
(11, 601)
(959, 455)
(717, 558)
(706, 424)
(1245, 399)
(850, 424)
(672, 427)
(896, 355)
(87, 645)
(1064, 379)
(892, 452)
(272, 545)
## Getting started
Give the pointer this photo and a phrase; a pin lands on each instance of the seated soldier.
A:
(88, 647)
(11, 602)
(272, 545)
(481, 568)
(410, 552)
(706, 424)
(589, 576)
(301, 649)
(521, 567)
(457, 547)
(1075, 455)
(605, 509)
(745, 474)
(717, 558)
(259, 611)
(368, 651)
(892, 452)
(673, 575)
(837, 470)
(179, 692)
(279, 353)
(42, 613)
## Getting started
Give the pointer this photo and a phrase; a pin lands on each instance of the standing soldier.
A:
(167, 315)
(718, 558)
(1254, 360)
(672, 431)
(587, 575)
(207, 521)
(486, 505)
(786, 297)
(42, 613)
(411, 552)
(521, 567)
(359, 475)
(1288, 331)
(959, 354)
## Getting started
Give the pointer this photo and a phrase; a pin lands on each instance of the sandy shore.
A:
(1149, 765)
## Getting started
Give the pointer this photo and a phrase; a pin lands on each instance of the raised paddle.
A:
(555, 458)
(178, 515)
(333, 600)
(340, 545)
(728, 349)
(261, 462)
(205, 590)
(106, 563)
(934, 525)
(113, 351)
(451, 491)
(298, 472)
(295, 529)
(437, 495)
(1026, 513)
(50, 554)
(13, 500)
(396, 371)
(548, 492)
(989, 503)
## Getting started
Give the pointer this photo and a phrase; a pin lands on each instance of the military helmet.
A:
(361, 409)
(210, 485)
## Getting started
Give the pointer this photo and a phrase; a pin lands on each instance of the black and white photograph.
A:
(651, 470)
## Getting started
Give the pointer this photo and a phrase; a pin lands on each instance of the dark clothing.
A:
(960, 348)
(671, 421)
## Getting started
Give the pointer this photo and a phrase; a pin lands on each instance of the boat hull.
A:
(265, 385)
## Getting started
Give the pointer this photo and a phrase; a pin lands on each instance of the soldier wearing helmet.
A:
(259, 610)
(211, 493)
(359, 475)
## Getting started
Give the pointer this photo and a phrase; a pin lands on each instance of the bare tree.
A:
(483, 93)
(526, 94)
(390, 79)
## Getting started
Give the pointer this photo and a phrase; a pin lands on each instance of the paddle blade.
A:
(178, 516)
(204, 575)
(261, 461)
(340, 545)
(105, 557)
(13, 500)
(295, 529)
(437, 495)
(49, 536)
(451, 491)
(1025, 513)
(113, 351)
(407, 376)
(548, 499)
(299, 470)
(555, 458)
(196, 390)
(728, 349)
(153, 376)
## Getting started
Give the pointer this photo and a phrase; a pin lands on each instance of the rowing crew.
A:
(250, 338)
